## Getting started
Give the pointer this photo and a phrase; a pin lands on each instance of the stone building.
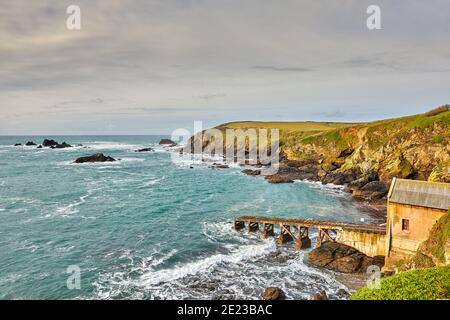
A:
(413, 208)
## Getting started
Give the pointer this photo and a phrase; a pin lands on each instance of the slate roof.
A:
(420, 193)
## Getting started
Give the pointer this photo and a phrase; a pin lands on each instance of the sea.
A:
(150, 225)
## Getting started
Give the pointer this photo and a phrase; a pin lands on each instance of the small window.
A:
(405, 224)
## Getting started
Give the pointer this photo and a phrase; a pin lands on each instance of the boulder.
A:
(273, 293)
(39, 146)
(321, 295)
(49, 143)
(30, 143)
(342, 258)
(251, 172)
(99, 157)
(167, 141)
(372, 190)
(341, 177)
(144, 150)
(17, 144)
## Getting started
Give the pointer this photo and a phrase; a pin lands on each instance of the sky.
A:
(149, 67)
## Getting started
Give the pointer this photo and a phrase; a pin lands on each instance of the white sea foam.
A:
(110, 145)
(153, 278)
(71, 208)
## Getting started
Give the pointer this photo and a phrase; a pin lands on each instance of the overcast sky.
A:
(148, 67)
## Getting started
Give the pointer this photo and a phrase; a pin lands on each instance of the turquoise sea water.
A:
(146, 227)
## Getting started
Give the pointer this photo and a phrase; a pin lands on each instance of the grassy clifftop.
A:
(416, 146)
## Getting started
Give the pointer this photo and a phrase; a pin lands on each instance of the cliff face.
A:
(416, 147)
(365, 156)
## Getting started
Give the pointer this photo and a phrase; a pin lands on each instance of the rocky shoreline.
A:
(363, 186)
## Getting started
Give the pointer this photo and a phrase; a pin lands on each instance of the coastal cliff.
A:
(363, 156)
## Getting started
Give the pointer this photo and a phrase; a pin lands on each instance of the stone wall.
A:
(371, 244)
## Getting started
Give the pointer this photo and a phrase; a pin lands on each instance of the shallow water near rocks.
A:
(146, 227)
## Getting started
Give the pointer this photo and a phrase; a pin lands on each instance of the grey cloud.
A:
(167, 60)
(210, 96)
(288, 69)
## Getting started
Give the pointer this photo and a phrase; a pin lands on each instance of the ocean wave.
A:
(109, 145)
(102, 165)
(154, 278)
(71, 208)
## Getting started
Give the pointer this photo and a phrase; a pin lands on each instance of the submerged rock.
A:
(39, 146)
(17, 144)
(144, 150)
(49, 143)
(342, 258)
(273, 293)
(30, 143)
(99, 157)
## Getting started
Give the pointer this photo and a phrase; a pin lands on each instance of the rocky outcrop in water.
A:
(99, 157)
(17, 144)
(144, 150)
(49, 143)
(273, 293)
(167, 142)
(30, 143)
(251, 172)
(219, 166)
(279, 179)
(61, 146)
(342, 258)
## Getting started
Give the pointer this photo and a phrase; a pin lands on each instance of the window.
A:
(405, 224)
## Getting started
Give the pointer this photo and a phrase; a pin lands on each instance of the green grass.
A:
(419, 284)
(306, 126)
(341, 135)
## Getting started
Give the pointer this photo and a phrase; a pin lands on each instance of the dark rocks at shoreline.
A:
(17, 144)
(322, 295)
(273, 293)
(341, 178)
(30, 143)
(373, 190)
(287, 173)
(342, 258)
(363, 186)
(251, 172)
(39, 147)
(144, 150)
(49, 143)
(61, 146)
(167, 142)
(219, 166)
(278, 179)
(99, 157)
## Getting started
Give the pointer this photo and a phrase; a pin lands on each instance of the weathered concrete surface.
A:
(371, 244)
